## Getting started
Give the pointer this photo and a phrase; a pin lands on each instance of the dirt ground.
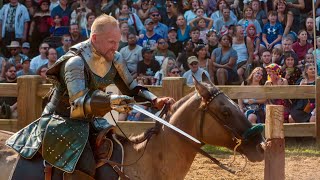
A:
(296, 168)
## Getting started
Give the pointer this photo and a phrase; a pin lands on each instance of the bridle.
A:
(236, 137)
(205, 110)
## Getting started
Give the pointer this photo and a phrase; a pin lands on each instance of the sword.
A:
(164, 122)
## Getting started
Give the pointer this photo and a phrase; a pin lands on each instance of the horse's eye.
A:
(226, 114)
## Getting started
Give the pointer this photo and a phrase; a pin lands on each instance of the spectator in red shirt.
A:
(302, 47)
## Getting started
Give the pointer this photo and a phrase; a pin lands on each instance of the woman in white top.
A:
(167, 63)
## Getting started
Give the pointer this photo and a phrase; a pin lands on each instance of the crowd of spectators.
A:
(249, 42)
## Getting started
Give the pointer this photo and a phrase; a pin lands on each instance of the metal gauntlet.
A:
(121, 103)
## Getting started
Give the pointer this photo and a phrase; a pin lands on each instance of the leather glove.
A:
(121, 103)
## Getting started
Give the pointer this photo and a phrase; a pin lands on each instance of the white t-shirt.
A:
(131, 57)
(37, 62)
(197, 75)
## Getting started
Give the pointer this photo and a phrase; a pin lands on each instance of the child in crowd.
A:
(272, 32)
(195, 36)
(276, 55)
(201, 23)
(252, 34)
(57, 30)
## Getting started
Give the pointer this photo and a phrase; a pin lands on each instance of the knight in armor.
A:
(62, 137)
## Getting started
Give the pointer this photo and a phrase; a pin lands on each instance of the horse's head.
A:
(222, 123)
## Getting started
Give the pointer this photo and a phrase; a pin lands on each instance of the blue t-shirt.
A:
(149, 42)
(272, 31)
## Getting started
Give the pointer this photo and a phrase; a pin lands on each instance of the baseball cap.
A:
(146, 49)
(192, 59)
(147, 21)
(172, 29)
(26, 45)
(153, 10)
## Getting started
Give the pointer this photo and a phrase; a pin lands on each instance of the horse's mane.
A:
(142, 138)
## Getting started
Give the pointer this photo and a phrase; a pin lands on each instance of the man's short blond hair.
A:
(100, 23)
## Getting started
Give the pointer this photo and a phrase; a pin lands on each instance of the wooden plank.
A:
(9, 125)
(43, 89)
(173, 87)
(29, 104)
(317, 129)
(134, 128)
(274, 122)
(274, 154)
(8, 90)
(299, 130)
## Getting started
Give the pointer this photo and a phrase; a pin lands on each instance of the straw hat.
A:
(14, 44)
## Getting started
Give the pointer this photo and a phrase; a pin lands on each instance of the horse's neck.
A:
(178, 153)
(167, 155)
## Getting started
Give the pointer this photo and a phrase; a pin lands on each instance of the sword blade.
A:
(164, 122)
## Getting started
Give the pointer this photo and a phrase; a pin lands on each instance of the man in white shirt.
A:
(41, 59)
(131, 54)
(194, 70)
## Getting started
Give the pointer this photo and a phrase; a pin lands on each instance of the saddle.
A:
(107, 150)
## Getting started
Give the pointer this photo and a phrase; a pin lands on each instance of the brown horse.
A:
(206, 114)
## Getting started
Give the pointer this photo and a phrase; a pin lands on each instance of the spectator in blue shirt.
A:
(272, 32)
(66, 43)
(159, 27)
(150, 38)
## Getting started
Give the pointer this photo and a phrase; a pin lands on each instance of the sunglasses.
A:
(45, 47)
(67, 40)
(155, 15)
(175, 72)
(161, 42)
(194, 63)
(14, 49)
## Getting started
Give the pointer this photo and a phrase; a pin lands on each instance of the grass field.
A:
(294, 146)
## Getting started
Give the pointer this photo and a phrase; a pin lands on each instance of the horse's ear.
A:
(206, 79)
(202, 90)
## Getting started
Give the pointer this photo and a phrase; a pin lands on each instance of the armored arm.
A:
(129, 86)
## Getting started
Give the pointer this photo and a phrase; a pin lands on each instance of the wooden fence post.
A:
(173, 87)
(29, 104)
(274, 153)
(317, 110)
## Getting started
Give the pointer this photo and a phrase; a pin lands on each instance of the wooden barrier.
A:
(274, 159)
(30, 92)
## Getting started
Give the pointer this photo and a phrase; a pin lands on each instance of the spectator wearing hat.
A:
(25, 68)
(25, 49)
(16, 55)
(14, 19)
(149, 38)
(131, 54)
(159, 27)
(41, 59)
(194, 70)
(147, 68)
(174, 45)
(64, 11)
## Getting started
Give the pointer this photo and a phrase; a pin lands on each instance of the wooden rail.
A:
(30, 91)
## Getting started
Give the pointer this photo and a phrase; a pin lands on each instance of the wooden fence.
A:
(29, 90)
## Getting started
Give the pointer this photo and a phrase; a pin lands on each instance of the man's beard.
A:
(11, 78)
